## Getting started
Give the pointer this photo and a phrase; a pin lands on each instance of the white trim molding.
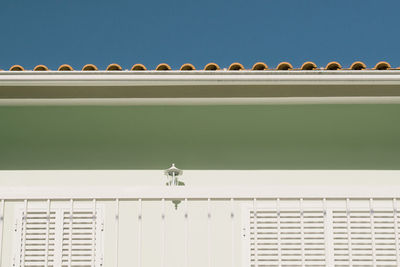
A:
(199, 87)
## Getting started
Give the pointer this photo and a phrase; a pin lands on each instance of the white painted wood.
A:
(209, 243)
(58, 237)
(71, 218)
(94, 222)
(349, 237)
(174, 78)
(255, 231)
(1, 229)
(284, 234)
(278, 231)
(201, 101)
(197, 193)
(46, 255)
(163, 232)
(373, 244)
(24, 223)
(329, 241)
(46, 238)
(140, 219)
(232, 215)
(186, 234)
(302, 232)
(396, 230)
(117, 232)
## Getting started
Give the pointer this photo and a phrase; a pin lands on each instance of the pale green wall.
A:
(201, 137)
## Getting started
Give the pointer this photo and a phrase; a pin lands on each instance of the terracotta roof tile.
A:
(41, 68)
(308, 66)
(333, 66)
(284, 66)
(65, 67)
(382, 66)
(163, 66)
(187, 66)
(259, 66)
(358, 65)
(138, 67)
(236, 66)
(212, 66)
(114, 67)
(16, 68)
(89, 67)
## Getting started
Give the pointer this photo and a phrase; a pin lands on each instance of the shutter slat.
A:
(37, 244)
(354, 233)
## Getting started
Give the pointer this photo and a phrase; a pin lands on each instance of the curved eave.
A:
(83, 87)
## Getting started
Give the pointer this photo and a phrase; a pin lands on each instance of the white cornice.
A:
(192, 78)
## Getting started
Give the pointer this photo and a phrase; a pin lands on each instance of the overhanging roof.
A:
(199, 87)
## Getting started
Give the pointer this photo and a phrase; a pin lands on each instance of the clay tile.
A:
(358, 65)
(65, 67)
(163, 66)
(17, 68)
(333, 66)
(138, 67)
(212, 66)
(308, 66)
(382, 66)
(89, 67)
(236, 66)
(40, 68)
(260, 66)
(284, 66)
(113, 66)
(187, 66)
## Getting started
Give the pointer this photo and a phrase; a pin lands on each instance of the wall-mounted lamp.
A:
(173, 174)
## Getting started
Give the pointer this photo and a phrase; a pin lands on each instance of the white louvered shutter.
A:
(335, 236)
(31, 247)
(32, 238)
(86, 238)
(287, 238)
(364, 238)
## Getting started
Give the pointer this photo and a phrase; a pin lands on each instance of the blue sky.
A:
(54, 32)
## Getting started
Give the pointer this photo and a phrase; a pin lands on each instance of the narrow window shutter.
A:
(86, 239)
(32, 230)
(364, 238)
(337, 236)
(287, 238)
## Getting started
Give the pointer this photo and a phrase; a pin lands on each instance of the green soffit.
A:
(201, 137)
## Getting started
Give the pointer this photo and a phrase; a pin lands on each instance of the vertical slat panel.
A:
(349, 241)
(328, 227)
(116, 232)
(373, 243)
(139, 258)
(396, 231)
(186, 255)
(71, 218)
(255, 232)
(302, 232)
(46, 254)
(278, 231)
(209, 249)
(232, 233)
(24, 222)
(1, 230)
(163, 230)
(94, 214)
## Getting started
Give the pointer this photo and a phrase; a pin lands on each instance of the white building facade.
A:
(280, 168)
